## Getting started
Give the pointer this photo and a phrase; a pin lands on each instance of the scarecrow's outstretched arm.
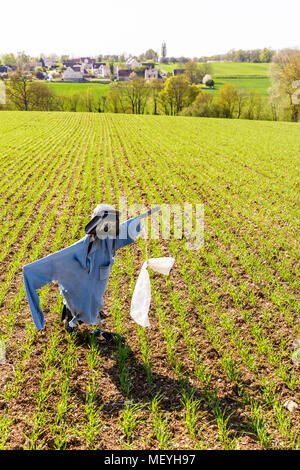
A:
(149, 212)
(37, 275)
(130, 229)
(128, 232)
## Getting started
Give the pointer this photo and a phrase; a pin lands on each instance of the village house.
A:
(101, 70)
(88, 61)
(104, 71)
(49, 63)
(97, 65)
(131, 63)
(149, 65)
(34, 65)
(70, 62)
(124, 74)
(78, 68)
(69, 75)
(151, 73)
(178, 72)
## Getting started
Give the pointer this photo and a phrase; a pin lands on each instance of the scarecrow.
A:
(82, 271)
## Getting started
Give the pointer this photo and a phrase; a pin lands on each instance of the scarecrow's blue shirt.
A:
(82, 276)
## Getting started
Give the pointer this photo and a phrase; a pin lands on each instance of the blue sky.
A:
(189, 27)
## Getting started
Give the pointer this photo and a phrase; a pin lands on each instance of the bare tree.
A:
(27, 95)
(18, 89)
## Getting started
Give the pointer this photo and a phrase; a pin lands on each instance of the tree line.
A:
(263, 55)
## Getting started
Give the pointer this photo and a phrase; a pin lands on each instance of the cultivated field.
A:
(214, 371)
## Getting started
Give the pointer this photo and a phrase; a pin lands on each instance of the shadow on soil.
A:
(143, 391)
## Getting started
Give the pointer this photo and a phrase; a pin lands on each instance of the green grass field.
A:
(99, 89)
(214, 370)
(239, 69)
(259, 84)
(243, 75)
(227, 68)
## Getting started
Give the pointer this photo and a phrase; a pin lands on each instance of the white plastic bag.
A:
(141, 298)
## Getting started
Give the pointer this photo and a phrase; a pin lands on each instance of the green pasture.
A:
(99, 89)
(259, 84)
(243, 75)
(226, 68)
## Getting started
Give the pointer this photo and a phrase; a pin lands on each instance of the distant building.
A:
(80, 68)
(151, 73)
(34, 65)
(71, 62)
(69, 75)
(149, 65)
(178, 72)
(97, 65)
(131, 63)
(50, 63)
(87, 61)
(101, 70)
(124, 74)
(104, 71)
